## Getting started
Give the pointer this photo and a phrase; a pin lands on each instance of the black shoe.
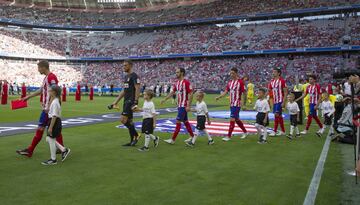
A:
(190, 144)
(133, 143)
(65, 154)
(156, 141)
(49, 162)
(24, 152)
(298, 135)
(289, 136)
(211, 142)
(127, 144)
(143, 149)
(318, 134)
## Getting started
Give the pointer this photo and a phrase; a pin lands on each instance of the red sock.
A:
(188, 128)
(60, 139)
(241, 125)
(308, 123)
(37, 138)
(231, 128)
(281, 121)
(276, 123)
(318, 121)
(177, 130)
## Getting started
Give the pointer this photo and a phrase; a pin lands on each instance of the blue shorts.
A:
(312, 110)
(234, 112)
(277, 108)
(43, 120)
(182, 114)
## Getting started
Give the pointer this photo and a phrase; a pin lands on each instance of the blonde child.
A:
(55, 127)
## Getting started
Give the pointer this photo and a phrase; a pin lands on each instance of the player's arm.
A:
(137, 93)
(302, 96)
(119, 97)
(267, 113)
(168, 96)
(188, 107)
(154, 116)
(320, 99)
(208, 118)
(36, 93)
(286, 91)
(222, 95)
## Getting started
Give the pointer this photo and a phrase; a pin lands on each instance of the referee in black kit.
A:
(130, 93)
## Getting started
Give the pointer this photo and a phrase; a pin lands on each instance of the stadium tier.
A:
(180, 13)
(189, 39)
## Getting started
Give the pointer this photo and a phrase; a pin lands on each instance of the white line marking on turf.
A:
(315, 181)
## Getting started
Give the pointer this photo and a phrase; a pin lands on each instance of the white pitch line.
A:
(315, 181)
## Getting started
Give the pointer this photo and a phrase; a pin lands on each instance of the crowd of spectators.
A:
(122, 17)
(192, 39)
(209, 74)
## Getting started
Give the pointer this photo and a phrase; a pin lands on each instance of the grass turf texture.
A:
(100, 171)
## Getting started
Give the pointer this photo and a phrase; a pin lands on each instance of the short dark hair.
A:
(234, 69)
(43, 64)
(277, 69)
(262, 90)
(182, 70)
(129, 62)
(313, 77)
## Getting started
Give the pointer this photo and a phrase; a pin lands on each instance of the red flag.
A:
(17, 104)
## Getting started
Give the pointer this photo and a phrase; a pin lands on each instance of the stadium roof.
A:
(105, 4)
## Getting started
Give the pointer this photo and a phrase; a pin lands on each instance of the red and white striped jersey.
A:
(314, 91)
(276, 87)
(183, 89)
(48, 81)
(236, 89)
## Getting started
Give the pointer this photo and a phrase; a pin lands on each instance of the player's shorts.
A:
(312, 110)
(201, 120)
(127, 109)
(234, 112)
(328, 119)
(260, 116)
(293, 120)
(277, 108)
(147, 126)
(43, 120)
(182, 114)
(56, 129)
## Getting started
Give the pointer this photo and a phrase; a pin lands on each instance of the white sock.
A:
(196, 134)
(258, 128)
(147, 140)
(152, 136)
(291, 130)
(59, 146)
(207, 134)
(264, 132)
(297, 130)
(52, 146)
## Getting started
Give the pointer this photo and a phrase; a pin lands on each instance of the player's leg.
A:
(317, 120)
(187, 124)
(179, 117)
(43, 120)
(310, 116)
(281, 119)
(232, 124)
(236, 115)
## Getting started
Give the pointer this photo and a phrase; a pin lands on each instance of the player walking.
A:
(236, 88)
(130, 93)
(49, 80)
(314, 92)
(184, 99)
(278, 89)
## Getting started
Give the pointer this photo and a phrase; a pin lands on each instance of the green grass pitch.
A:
(101, 171)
